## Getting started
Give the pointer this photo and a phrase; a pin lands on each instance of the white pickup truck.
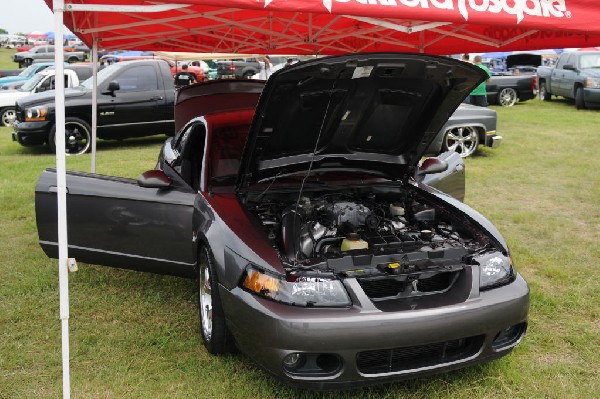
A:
(41, 81)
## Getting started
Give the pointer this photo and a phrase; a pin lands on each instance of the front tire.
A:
(544, 95)
(8, 116)
(78, 137)
(579, 101)
(464, 140)
(507, 97)
(215, 334)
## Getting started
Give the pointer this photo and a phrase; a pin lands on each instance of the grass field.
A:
(135, 335)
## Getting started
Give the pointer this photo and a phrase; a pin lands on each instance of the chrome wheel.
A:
(8, 116)
(205, 301)
(213, 328)
(463, 140)
(544, 95)
(507, 97)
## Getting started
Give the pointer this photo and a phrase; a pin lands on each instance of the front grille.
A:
(19, 114)
(388, 287)
(415, 357)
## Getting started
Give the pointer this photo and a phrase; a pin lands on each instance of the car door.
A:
(114, 221)
(134, 109)
(558, 76)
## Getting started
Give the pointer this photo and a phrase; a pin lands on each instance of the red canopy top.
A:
(336, 26)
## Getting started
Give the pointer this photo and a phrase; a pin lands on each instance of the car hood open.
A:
(373, 112)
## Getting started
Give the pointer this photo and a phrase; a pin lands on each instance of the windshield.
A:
(590, 61)
(31, 83)
(27, 71)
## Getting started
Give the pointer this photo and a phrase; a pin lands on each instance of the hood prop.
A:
(314, 153)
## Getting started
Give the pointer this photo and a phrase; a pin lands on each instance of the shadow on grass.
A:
(131, 142)
(101, 145)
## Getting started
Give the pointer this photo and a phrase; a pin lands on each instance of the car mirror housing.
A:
(154, 179)
(112, 87)
(432, 165)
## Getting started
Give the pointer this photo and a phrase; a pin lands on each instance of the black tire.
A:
(78, 138)
(463, 139)
(7, 116)
(213, 329)
(72, 60)
(579, 101)
(544, 95)
(507, 97)
(249, 74)
(28, 61)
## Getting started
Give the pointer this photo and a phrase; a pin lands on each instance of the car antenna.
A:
(314, 152)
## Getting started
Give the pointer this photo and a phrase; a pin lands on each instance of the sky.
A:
(25, 16)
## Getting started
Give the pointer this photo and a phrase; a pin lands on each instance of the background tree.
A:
(3, 31)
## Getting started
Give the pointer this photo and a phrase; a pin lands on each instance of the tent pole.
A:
(63, 275)
(94, 100)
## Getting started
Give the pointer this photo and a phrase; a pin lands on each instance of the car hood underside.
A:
(373, 112)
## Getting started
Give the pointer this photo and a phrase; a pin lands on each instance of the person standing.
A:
(184, 77)
(479, 95)
(465, 58)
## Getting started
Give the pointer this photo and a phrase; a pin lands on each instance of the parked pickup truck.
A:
(41, 82)
(24, 74)
(506, 90)
(576, 76)
(46, 53)
(135, 99)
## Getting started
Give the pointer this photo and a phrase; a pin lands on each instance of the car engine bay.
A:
(367, 227)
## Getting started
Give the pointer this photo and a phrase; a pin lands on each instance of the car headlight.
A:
(592, 83)
(36, 114)
(307, 291)
(495, 270)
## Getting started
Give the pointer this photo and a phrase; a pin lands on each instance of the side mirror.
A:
(432, 165)
(112, 87)
(154, 178)
(569, 67)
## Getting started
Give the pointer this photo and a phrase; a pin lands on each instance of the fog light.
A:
(293, 361)
(509, 336)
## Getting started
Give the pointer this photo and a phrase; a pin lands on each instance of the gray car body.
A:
(123, 223)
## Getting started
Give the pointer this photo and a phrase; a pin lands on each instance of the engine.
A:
(313, 229)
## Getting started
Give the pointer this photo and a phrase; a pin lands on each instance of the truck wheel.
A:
(579, 101)
(8, 116)
(71, 60)
(28, 61)
(544, 95)
(248, 74)
(464, 140)
(78, 137)
(217, 338)
(507, 97)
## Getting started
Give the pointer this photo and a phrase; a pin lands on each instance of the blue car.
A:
(26, 73)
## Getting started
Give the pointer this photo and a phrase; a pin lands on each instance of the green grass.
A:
(134, 335)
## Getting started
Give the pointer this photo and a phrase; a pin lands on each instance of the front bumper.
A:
(591, 96)
(492, 139)
(31, 133)
(268, 332)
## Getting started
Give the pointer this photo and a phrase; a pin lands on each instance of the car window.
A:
(572, 60)
(590, 61)
(226, 149)
(40, 50)
(190, 153)
(139, 78)
(561, 61)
